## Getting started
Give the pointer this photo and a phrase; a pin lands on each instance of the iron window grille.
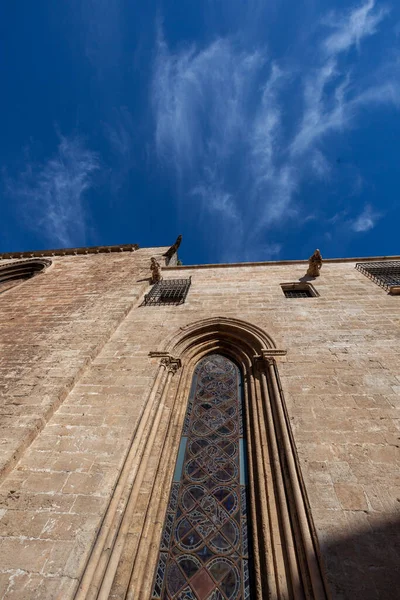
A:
(168, 291)
(298, 293)
(386, 274)
(299, 290)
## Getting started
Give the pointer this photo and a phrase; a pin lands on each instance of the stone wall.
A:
(76, 378)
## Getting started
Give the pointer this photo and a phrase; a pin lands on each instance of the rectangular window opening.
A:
(298, 290)
(384, 273)
(168, 291)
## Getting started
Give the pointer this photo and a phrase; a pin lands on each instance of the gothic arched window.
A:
(14, 273)
(204, 551)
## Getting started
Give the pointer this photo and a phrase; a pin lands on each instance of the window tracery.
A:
(204, 551)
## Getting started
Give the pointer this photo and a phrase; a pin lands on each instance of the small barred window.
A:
(168, 291)
(298, 293)
(299, 290)
(386, 273)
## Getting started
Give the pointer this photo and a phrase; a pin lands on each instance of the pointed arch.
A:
(285, 549)
(222, 328)
(18, 271)
(241, 340)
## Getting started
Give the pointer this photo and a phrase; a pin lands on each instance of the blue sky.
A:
(259, 130)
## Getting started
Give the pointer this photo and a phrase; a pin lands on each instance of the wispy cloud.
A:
(266, 132)
(216, 199)
(51, 194)
(322, 114)
(213, 205)
(120, 133)
(199, 100)
(351, 28)
(366, 220)
(224, 110)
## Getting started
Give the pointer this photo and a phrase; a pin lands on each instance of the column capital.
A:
(171, 364)
(267, 357)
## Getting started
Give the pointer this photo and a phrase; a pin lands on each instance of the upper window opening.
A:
(168, 291)
(299, 290)
(386, 274)
(12, 274)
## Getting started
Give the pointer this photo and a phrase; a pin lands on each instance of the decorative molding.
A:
(70, 251)
(285, 548)
(280, 262)
(171, 364)
(267, 353)
(219, 327)
(113, 536)
(43, 261)
(15, 273)
(158, 354)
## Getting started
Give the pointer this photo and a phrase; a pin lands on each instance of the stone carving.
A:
(155, 270)
(314, 264)
(171, 364)
(174, 248)
(260, 361)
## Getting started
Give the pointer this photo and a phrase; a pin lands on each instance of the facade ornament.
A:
(174, 248)
(261, 361)
(155, 269)
(314, 264)
(267, 358)
(171, 364)
(258, 363)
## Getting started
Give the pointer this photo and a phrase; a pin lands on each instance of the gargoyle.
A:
(171, 251)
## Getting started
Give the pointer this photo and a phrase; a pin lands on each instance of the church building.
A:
(205, 432)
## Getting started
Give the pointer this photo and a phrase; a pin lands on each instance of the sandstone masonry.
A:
(77, 372)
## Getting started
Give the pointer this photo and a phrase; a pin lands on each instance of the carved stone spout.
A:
(173, 249)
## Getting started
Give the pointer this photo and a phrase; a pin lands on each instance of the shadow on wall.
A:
(365, 565)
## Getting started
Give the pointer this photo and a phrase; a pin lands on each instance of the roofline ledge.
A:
(280, 262)
(70, 251)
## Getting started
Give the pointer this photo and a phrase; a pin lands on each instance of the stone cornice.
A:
(70, 251)
(280, 262)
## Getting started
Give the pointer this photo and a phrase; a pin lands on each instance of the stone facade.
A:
(93, 394)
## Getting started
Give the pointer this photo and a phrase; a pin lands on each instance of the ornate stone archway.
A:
(286, 560)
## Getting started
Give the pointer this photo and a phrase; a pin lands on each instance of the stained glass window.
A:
(204, 552)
